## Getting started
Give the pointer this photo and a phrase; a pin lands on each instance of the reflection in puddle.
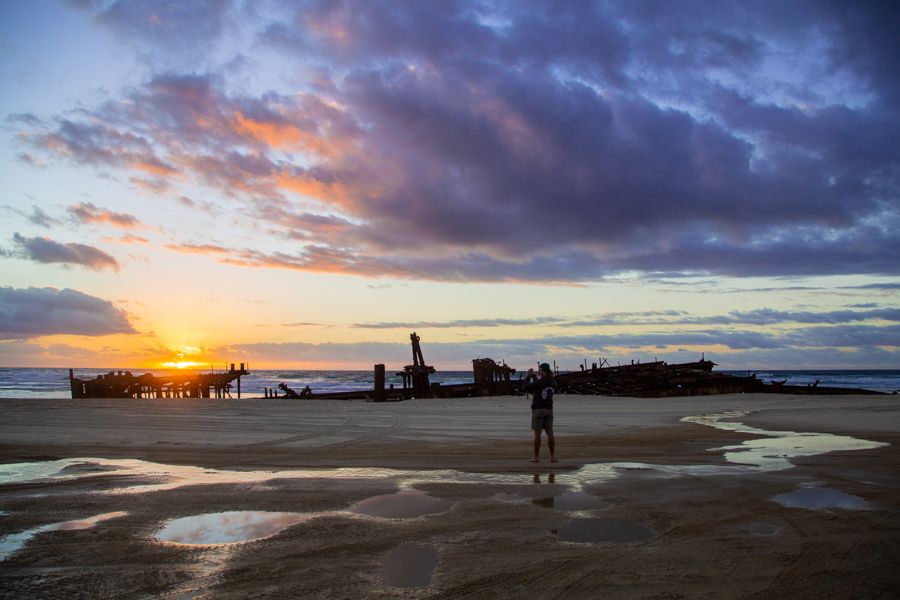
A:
(573, 501)
(409, 565)
(615, 531)
(171, 477)
(403, 504)
(12, 543)
(771, 452)
(774, 451)
(227, 527)
(821, 498)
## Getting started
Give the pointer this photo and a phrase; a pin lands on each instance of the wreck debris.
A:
(650, 380)
(190, 384)
(416, 374)
(491, 379)
(658, 379)
(289, 393)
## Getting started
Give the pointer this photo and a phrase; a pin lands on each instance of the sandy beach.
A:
(716, 526)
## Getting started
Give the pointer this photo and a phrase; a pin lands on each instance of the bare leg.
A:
(537, 445)
(551, 443)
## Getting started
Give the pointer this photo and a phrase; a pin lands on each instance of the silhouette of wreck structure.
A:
(655, 379)
(416, 375)
(186, 384)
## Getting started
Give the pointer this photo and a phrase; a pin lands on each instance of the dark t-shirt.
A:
(543, 389)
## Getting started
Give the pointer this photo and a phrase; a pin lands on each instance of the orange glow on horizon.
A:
(182, 364)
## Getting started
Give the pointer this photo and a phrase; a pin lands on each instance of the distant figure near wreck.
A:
(543, 388)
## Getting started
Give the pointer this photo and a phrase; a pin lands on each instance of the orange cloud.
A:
(155, 168)
(283, 135)
(127, 239)
(197, 248)
(334, 191)
(86, 212)
(276, 135)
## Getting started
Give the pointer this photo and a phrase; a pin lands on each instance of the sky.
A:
(301, 185)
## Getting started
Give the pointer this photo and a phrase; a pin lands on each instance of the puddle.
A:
(227, 527)
(615, 531)
(764, 529)
(169, 477)
(409, 565)
(12, 543)
(771, 452)
(819, 498)
(573, 501)
(404, 504)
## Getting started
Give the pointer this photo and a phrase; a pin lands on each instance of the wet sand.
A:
(714, 536)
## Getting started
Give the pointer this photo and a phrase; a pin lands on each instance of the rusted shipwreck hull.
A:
(651, 380)
(647, 380)
(659, 380)
(123, 384)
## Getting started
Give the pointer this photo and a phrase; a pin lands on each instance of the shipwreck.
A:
(655, 379)
(188, 384)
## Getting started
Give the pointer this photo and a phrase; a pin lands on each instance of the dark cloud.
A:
(33, 312)
(499, 322)
(844, 336)
(518, 141)
(45, 250)
(768, 316)
(758, 317)
(880, 286)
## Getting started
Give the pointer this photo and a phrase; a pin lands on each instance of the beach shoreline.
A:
(706, 524)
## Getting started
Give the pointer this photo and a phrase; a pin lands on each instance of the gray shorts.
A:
(542, 418)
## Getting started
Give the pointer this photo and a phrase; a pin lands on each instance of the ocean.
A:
(54, 383)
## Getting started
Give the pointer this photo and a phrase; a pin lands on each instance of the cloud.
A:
(182, 29)
(198, 248)
(85, 212)
(767, 316)
(517, 142)
(42, 219)
(859, 346)
(127, 239)
(757, 317)
(37, 216)
(45, 250)
(880, 286)
(34, 312)
(497, 322)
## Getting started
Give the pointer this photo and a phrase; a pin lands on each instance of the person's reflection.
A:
(551, 478)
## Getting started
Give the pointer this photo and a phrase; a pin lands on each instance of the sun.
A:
(188, 357)
(181, 364)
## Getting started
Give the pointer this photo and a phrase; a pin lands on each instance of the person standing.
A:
(542, 386)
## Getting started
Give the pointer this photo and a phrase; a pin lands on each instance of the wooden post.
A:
(379, 383)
